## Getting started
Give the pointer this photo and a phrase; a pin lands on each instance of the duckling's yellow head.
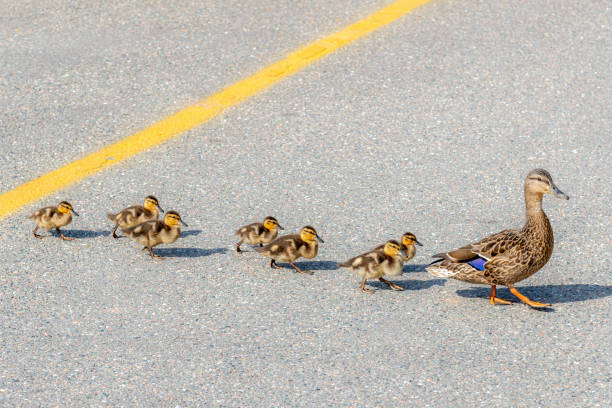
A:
(151, 202)
(308, 234)
(65, 208)
(392, 247)
(410, 239)
(172, 219)
(539, 181)
(270, 223)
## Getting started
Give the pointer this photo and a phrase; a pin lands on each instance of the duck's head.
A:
(539, 181)
(172, 219)
(308, 234)
(392, 247)
(151, 202)
(410, 239)
(270, 223)
(65, 208)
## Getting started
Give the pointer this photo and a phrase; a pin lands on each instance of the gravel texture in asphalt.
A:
(428, 125)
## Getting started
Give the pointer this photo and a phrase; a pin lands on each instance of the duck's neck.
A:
(536, 220)
(533, 204)
(538, 229)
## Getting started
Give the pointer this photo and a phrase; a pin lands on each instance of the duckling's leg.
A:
(35, 234)
(62, 236)
(273, 264)
(525, 299)
(363, 288)
(152, 254)
(115, 231)
(494, 298)
(238, 250)
(299, 270)
(391, 284)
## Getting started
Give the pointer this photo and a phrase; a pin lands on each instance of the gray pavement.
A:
(429, 125)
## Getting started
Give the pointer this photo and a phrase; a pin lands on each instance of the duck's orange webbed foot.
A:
(526, 300)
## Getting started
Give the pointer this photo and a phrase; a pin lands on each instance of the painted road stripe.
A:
(200, 113)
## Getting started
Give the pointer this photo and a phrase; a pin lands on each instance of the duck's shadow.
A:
(78, 234)
(189, 252)
(409, 284)
(545, 293)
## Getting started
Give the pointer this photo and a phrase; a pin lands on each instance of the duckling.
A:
(155, 232)
(258, 233)
(385, 260)
(136, 214)
(54, 217)
(288, 248)
(407, 247)
(510, 255)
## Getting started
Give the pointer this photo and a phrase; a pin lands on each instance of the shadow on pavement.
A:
(188, 252)
(77, 234)
(317, 265)
(408, 284)
(190, 232)
(545, 293)
(414, 268)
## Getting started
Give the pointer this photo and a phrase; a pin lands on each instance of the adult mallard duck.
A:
(53, 217)
(510, 255)
(136, 214)
(379, 262)
(258, 232)
(288, 248)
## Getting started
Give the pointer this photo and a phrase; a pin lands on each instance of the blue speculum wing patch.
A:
(478, 263)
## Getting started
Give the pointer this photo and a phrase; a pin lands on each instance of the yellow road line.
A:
(198, 114)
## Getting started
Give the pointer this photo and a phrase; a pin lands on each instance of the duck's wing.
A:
(485, 249)
(470, 261)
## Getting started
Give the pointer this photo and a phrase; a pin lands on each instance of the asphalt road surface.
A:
(428, 125)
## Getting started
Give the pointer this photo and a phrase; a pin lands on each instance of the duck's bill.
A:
(320, 239)
(558, 193)
(75, 213)
(418, 243)
(159, 208)
(279, 227)
(183, 222)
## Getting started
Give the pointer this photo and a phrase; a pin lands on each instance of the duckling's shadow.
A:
(545, 293)
(318, 265)
(414, 268)
(190, 232)
(409, 284)
(188, 252)
(78, 234)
